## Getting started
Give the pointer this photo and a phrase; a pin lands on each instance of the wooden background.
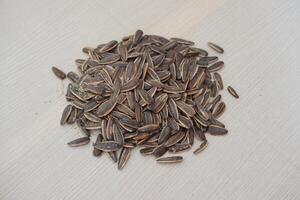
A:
(258, 159)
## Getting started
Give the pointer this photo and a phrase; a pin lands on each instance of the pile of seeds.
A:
(145, 91)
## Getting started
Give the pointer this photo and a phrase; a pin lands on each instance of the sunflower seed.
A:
(164, 134)
(118, 136)
(130, 85)
(113, 156)
(159, 103)
(109, 46)
(215, 47)
(124, 156)
(146, 97)
(107, 146)
(71, 119)
(182, 41)
(109, 59)
(122, 49)
(219, 80)
(202, 146)
(147, 150)
(66, 113)
(159, 151)
(186, 108)
(219, 110)
(232, 92)
(58, 73)
(106, 107)
(174, 139)
(148, 91)
(79, 142)
(73, 77)
(216, 66)
(169, 160)
(137, 36)
(177, 148)
(217, 130)
(97, 152)
(126, 110)
(173, 109)
(149, 128)
(207, 60)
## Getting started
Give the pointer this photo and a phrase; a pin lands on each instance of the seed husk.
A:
(170, 160)
(79, 142)
(58, 73)
(232, 92)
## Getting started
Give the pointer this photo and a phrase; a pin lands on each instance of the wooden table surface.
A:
(258, 159)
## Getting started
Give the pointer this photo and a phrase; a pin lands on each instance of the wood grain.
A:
(258, 159)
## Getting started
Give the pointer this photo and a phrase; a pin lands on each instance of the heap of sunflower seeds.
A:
(145, 91)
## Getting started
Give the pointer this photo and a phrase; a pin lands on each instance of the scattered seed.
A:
(79, 142)
(232, 92)
(58, 73)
